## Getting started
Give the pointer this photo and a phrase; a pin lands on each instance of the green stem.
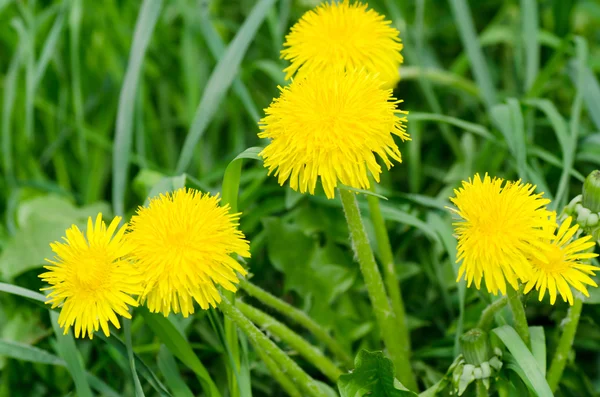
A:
(487, 316)
(311, 353)
(299, 317)
(384, 314)
(518, 311)
(266, 345)
(277, 374)
(564, 345)
(389, 270)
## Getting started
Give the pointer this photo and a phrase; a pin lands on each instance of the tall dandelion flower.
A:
(344, 35)
(330, 125)
(500, 228)
(561, 266)
(92, 278)
(182, 244)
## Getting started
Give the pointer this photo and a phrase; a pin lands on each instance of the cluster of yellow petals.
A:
(345, 35)
(174, 251)
(331, 126)
(183, 245)
(337, 117)
(92, 278)
(507, 235)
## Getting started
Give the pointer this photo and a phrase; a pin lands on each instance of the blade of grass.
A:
(529, 31)
(49, 47)
(466, 29)
(538, 347)
(139, 391)
(180, 347)
(220, 80)
(144, 27)
(217, 49)
(68, 351)
(25, 352)
(524, 359)
(8, 102)
(168, 367)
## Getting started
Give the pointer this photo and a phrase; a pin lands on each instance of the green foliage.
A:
(100, 99)
(373, 375)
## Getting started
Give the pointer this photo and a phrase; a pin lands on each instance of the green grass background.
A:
(106, 102)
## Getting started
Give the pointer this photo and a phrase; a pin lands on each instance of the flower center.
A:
(92, 270)
(556, 260)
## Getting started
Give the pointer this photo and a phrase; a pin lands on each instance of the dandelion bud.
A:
(475, 346)
(591, 192)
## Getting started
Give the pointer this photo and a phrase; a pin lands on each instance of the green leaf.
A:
(531, 372)
(531, 48)
(69, 353)
(373, 376)
(538, 347)
(168, 367)
(144, 27)
(509, 120)
(180, 347)
(220, 80)
(315, 272)
(25, 352)
(233, 173)
(42, 220)
(363, 191)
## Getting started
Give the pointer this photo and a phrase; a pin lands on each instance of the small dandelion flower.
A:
(182, 245)
(500, 228)
(562, 267)
(92, 278)
(344, 35)
(330, 125)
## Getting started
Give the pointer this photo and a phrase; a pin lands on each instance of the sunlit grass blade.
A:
(8, 102)
(139, 391)
(524, 359)
(147, 18)
(25, 352)
(538, 347)
(220, 81)
(49, 48)
(468, 35)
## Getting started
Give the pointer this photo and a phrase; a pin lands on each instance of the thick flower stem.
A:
(518, 311)
(564, 345)
(295, 341)
(487, 316)
(384, 314)
(389, 271)
(300, 317)
(277, 374)
(261, 341)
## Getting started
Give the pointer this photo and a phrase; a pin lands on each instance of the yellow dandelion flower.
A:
(562, 267)
(344, 35)
(182, 245)
(330, 125)
(500, 228)
(92, 278)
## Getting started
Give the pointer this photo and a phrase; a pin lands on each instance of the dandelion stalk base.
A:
(379, 301)
(516, 306)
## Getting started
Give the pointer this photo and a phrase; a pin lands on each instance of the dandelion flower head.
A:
(182, 244)
(330, 125)
(92, 278)
(346, 35)
(500, 226)
(562, 268)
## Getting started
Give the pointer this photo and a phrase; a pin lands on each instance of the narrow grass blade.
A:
(538, 347)
(509, 120)
(220, 81)
(217, 49)
(168, 367)
(466, 28)
(68, 351)
(139, 392)
(8, 102)
(75, 14)
(529, 32)
(49, 47)
(144, 28)
(526, 361)
(476, 129)
(180, 347)
(24, 352)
